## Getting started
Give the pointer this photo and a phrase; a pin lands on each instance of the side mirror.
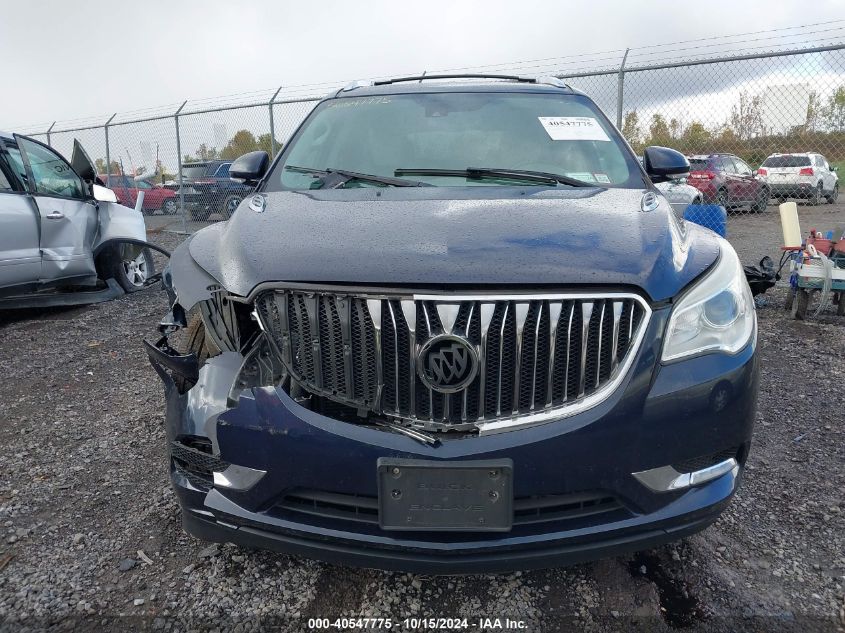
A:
(250, 168)
(103, 194)
(662, 164)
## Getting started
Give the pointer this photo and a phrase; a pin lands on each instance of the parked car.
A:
(679, 194)
(455, 330)
(156, 197)
(806, 175)
(64, 240)
(208, 189)
(727, 180)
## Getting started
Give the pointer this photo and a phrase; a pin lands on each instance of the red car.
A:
(726, 180)
(156, 197)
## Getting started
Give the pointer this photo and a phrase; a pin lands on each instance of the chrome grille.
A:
(540, 357)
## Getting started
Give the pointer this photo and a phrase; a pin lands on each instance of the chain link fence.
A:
(732, 115)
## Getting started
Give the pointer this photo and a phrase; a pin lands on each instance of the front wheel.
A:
(833, 194)
(169, 207)
(722, 198)
(762, 201)
(130, 268)
(229, 205)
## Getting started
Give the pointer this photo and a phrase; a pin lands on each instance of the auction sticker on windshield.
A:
(573, 128)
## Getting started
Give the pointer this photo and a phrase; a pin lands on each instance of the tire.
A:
(840, 306)
(833, 194)
(722, 198)
(169, 207)
(762, 201)
(131, 273)
(816, 198)
(230, 203)
(802, 301)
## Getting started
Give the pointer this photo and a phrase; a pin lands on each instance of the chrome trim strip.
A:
(555, 308)
(521, 311)
(617, 317)
(395, 355)
(312, 308)
(487, 312)
(568, 348)
(586, 315)
(598, 354)
(501, 360)
(374, 308)
(430, 391)
(409, 309)
(666, 478)
(344, 310)
(536, 355)
(236, 477)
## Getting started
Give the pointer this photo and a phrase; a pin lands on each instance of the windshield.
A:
(378, 136)
(699, 164)
(194, 170)
(787, 161)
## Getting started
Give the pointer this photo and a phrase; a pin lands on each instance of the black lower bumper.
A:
(449, 562)
(792, 190)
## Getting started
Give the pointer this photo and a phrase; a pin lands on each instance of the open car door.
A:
(67, 212)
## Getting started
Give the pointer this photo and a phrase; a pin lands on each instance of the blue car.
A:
(456, 329)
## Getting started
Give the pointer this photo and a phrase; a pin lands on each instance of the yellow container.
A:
(790, 225)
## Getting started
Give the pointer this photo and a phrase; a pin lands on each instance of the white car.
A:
(679, 194)
(806, 175)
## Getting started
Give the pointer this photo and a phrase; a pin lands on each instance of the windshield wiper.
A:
(336, 178)
(493, 172)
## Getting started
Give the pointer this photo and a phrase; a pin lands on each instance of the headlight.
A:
(717, 315)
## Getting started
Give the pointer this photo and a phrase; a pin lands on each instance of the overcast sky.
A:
(66, 60)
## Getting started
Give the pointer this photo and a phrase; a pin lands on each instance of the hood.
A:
(474, 236)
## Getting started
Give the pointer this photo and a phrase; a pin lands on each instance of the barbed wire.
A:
(579, 63)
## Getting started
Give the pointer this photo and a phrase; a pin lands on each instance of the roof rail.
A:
(517, 78)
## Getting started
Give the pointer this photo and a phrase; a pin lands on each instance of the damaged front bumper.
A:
(252, 465)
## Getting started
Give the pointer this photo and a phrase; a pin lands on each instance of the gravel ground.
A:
(90, 537)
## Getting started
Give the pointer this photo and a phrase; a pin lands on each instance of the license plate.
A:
(456, 496)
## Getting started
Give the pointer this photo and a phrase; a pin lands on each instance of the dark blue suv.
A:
(456, 329)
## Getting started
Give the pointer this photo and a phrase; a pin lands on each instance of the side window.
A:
(726, 165)
(52, 174)
(5, 185)
(742, 167)
(223, 170)
(142, 184)
(16, 162)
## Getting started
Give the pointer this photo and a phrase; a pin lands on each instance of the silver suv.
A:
(61, 232)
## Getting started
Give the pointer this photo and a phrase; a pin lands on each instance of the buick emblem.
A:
(447, 363)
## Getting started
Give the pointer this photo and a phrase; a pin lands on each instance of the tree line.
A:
(744, 132)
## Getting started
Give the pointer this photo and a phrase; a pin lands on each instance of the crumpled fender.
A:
(118, 224)
(186, 281)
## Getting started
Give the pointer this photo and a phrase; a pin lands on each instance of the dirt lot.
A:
(90, 536)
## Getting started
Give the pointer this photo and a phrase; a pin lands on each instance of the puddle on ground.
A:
(678, 606)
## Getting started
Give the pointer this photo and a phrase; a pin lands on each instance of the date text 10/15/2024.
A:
(417, 623)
